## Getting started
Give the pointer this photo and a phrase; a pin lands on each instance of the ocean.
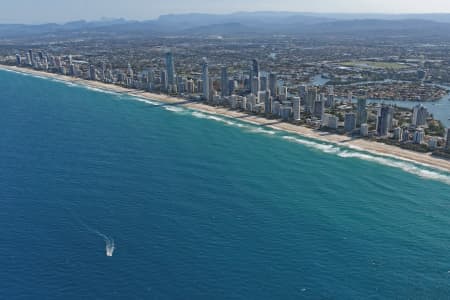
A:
(106, 196)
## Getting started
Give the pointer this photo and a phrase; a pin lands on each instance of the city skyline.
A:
(63, 11)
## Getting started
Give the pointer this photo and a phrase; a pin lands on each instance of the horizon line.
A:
(105, 19)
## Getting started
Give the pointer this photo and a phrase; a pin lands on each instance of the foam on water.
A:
(322, 147)
(174, 108)
(67, 83)
(406, 166)
(215, 118)
(109, 243)
(101, 90)
(261, 130)
(391, 161)
(359, 153)
(38, 76)
(144, 100)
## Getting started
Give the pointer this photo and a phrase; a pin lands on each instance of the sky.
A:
(41, 11)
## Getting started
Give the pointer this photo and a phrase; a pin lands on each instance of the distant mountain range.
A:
(261, 23)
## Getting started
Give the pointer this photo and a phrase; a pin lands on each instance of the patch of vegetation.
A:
(435, 128)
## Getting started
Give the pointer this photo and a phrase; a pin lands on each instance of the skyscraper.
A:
(130, 72)
(361, 112)
(419, 136)
(92, 71)
(18, 60)
(349, 122)
(224, 86)
(254, 77)
(447, 140)
(255, 85)
(163, 79)
(170, 68)
(319, 108)
(72, 70)
(103, 72)
(384, 121)
(310, 100)
(205, 79)
(364, 130)
(263, 83)
(29, 62)
(30, 53)
(330, 97)
(231, 86)
(296, 109)
(255, 68)
(420, 115)
(398, 133)
(273, 84)
(264, 97)
(350, 97)
(303, 92)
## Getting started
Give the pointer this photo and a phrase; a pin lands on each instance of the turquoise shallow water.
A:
(194, 206)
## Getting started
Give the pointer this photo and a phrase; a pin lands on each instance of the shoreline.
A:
(424, 159)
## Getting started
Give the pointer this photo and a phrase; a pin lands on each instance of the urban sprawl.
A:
(329, 108)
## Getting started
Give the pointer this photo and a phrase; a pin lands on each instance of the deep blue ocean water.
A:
(202, 207)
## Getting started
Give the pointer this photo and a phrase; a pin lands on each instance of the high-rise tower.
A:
(205, 79)
(224, 86)
(170, 68)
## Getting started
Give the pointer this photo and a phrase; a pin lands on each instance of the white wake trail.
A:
(109, 242)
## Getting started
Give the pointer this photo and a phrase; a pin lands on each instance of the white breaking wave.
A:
(144, 100)
(17, 72)
(37, 76)
(261, 130)
(100, 90)
(322, 147)
(215, 118)
(67, 83)
(174, 108)
(406, 166)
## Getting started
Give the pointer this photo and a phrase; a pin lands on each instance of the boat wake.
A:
(109, 242)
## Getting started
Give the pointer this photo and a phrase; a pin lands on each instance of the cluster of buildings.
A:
(257, 92)
(395, 90)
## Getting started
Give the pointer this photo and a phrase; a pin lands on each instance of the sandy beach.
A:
(339, 140)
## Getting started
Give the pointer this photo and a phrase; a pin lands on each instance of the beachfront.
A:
(345, 141)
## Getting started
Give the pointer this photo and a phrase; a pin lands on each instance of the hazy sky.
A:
(38, 11)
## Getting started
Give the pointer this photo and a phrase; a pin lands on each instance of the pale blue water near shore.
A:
(192, 206)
